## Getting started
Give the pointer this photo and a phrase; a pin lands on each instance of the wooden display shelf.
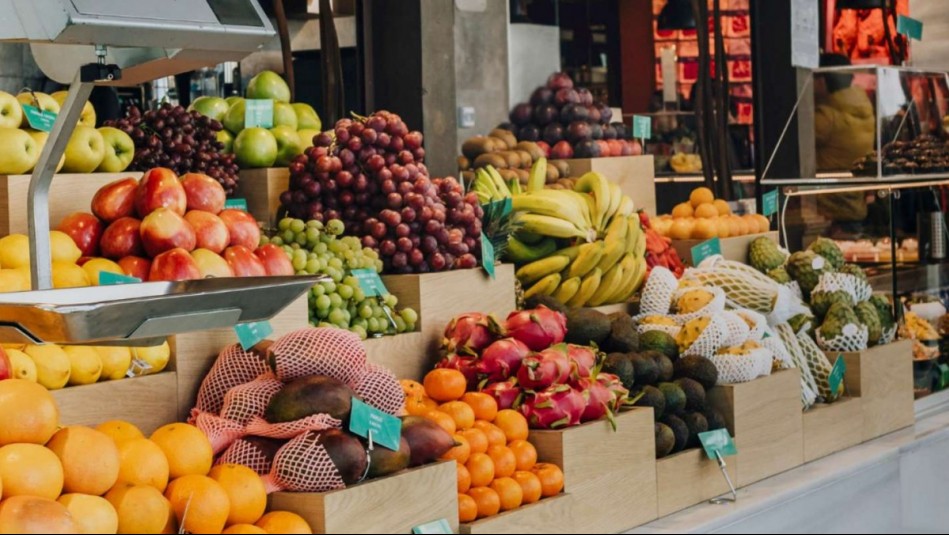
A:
(829, 428)
(393, 504)
(882, 377)
(764, 417)
(261, 188)
(688, 478)
(635, 175)
(735, 248)
(544, 516)
(149, 402)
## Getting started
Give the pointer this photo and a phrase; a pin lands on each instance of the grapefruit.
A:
(31, 514)
(28, 412)
(204, 500)
(284, 522)
(140, 508)
(90, 459)
(120, 430)
(187, 448)
(30, 470)
(245, 490)
(92, 514)
(141, 462)
(241, 529)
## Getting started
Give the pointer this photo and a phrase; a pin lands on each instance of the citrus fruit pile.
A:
(497, 466)
(112, 479)
(55, 367)
(703, 217)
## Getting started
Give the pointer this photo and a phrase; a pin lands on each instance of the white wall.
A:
(533, 53)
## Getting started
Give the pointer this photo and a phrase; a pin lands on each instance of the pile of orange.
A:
(704, 217)
(111, 479)
(497, 466)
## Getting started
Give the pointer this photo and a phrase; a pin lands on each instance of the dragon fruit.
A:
(582, 361)
(556, 407)
(468, 366)
(544, 369)
(469, 334)
(598, 397)
(502, 359)
(506, 393)
(539, 328)
(615, 386)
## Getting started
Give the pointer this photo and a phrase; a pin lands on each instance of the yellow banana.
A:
(571, 252)
(567, 289)
(612, 253)
(635, 240)
(599, 186)
(498, 181)
(558, 205)
(545, 286)
(617, 231)
(533, 272)
(589, 257)
(522, 253)
(552, 226)
(611, 282)
(538, 175)
(616, 198)
(587, 288)
(634, 272)
(626, 207)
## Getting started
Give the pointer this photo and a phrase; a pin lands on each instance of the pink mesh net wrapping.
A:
(303, 465)
(233, 367)
(252, 453)
(316, 422)
(336, 353)
(220, 431)
(244, 402)
(379, 388)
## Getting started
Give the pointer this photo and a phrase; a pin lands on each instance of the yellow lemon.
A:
(115, 362)
(85, 364)
(97, 265)
(156, 357)
(69, 275)
(12, 281)
(52, 365)
(23, 366)
(15, 251)
(62, 248)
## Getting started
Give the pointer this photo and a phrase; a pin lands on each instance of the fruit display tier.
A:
(261, 188)
(149, 402)
(732, 248)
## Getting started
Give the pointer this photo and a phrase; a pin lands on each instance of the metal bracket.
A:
(734, 493)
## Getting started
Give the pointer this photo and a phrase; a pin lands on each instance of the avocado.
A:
(697, 424)
(715, 419)
(664, 363)
(694, 393)
(675, 397)
(647, 372)
(651, 397)
(680, 430)
(550, 302)
(698, 368)
(659, 341)
(306, 396)
(623, 337)
(665, 440)
(620, 365)
(586, 326)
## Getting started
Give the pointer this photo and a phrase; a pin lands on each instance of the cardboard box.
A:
(829, 428)
(261, 188)
(882, 377)
(634, 174)
(732, 248)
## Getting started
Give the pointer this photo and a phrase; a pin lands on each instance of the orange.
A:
(141, 462)
(244, 529)
(701, 196)
(92, 514)
(734, 225)
(681, 229)
(284, 522)
(505, 463)
(245, 492)
(171, 525)
(464, 478)
(509, 492)
(724, 229)
(484, 406)
(752, 221)
(682, 210)
(30, 470)
(481, 469)
(30, 514)
(488, 501)
(120, 430)
(141, 508)
(444, 384)
(525, 453)
(477, 440)
(706, 211)
(443, 420)
(764, 224)
(722, 206)
(459, 453)
(495, 436)
(467, 508)
(744, 227)
(187, 448)
(460, 412)
(704, 229)
(204, 499)
(90, 459)
(513, 424)
(28, 412)
(419, 406)
(551, 478)
(530, 485)
(412, 389)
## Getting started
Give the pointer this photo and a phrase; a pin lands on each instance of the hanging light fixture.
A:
(676, 15)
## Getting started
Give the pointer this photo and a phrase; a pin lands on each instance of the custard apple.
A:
(803, 322)
(764, 255)
(822, 301)
(884, 311)
(838, 317)
(806, 267)
(780, 275)
(867, 313)
(828, 248)
(855, 270)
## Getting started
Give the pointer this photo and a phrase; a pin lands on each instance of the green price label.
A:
(836, 378)
(718, 441)
(487, 255)
(370, 282)
(909, 27)
(251, 334)
(706, 249)
(439, 526)
(258, 112)
(642, 126)
(107, 278)
(386, 429)
(943, 376)
(236, 204)
(39, 119)
(769, 203)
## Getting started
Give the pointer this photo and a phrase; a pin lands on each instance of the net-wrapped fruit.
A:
(779, 275)
(884, 311)
(694, 300)
(838, 317)
(765, 255)
(828, 249)
(690, 332)
(821, 301)
(855, 270)
(868, 316)
(806, 267)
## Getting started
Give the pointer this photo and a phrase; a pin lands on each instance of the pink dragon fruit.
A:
(544, 369)
(506, 393)
(615, 386)
(554, 408)
(469, 334)
(539, 328)
(598, 397)
(502, 359)
(582, 361)
(468, 366)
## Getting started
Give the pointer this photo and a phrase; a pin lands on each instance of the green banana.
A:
(567, 289)
(522, 253)
(533, 272)
(599, 186)
(587, 288)
(529, 237)
(515, 186)
(485, 183)
(588, 258)
(538, 175)
(545, 286)
(611, 282)
(554, 227)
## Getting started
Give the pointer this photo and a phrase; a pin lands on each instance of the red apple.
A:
(561, 151)
(136, 266)
(605, 150)
(6, 369)
(275, 260)
(210, 231)
(243, 261)
(163, 230)
(243, 228)
(211, 264)
(203, 193)
(122, 238)
(115, 200)
(160, 188)
(85, 229)
(544, 147)
(174, 265)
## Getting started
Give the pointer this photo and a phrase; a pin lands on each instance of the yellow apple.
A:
(43, 102)
(88, 115)
(19, 152)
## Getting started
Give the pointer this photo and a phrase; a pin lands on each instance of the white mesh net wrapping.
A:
(233, 367)
(734, 369)
(758, 323)
(888, 335)
(303, 465)
(853, 338)
(859, 289)
(336, 353)
(658, 291)
(746, 287)
(782, 355)
(820, 367)
(795, 289)
(738, 330)
(808, 385)
(379, 388)
(711, 339)
(715, 306)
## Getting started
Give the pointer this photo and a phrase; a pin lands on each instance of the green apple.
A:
(46, 103)
(255, 147)
(11, 114)
(88, 115)
(20, 151)
(307, 118)
(232, 99)
(289, 145)
(284, 115)
(85, 150)
(268, 84)
(213, 107)
(119, 150)
(306, 137)
(41, 138)
(227, 139)
(234, 118)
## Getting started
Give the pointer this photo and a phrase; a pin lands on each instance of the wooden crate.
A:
(882, 377)
(393, 504)
(149, 402)
(610, 476)
(829, 428)
(688, 478)
(764, 416)
(68, 193)
(261, 188)
(635, 175)
(732, 248)
(545, 516)
(407, 355)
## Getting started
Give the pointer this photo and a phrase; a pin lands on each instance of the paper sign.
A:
(805, 34)
(236, 204)
(386, 429)
(943, 376)
(258, 112)
(370, 282)
(769, 203)
(706, 249)
(251, 334)
(837, 374)
(909, 27)
(487, 255)
(718, 441)
(107, 278)
(439, 526)
(642, 127)
(39, 119)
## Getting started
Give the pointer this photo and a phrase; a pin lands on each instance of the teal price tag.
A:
(943, 376)
(642, 126)
(909, 27)
(107, 278)
(258, 112)
(487, 255)
(386, 429)
(439, 526)
(370, 282)
(718, 442)
(836, 377)
(39, 119)
(769, 203)
(236, 204)
(706, 249)
(251, 334)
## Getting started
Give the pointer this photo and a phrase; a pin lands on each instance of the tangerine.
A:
(681, 229)
(412, 389)
(90, 459)
(485, 407)
(509, 492)
(459, 453)
(704, 229)
(444, 384)
(243, 529)
(142, 462)
(525, 453)
(682, 210)
(513, 424)
(706, 211)
(464, 478)
(481, 469)
(460, 412)
(477, 440)
(443, 420)
(467, 508)
(701, 196)
(140, 508)
(505, 463)
(120, 430)
(530, 485)
(488, 501)
(722, 206)
(551, 478)
(419, 406)
(496, 437)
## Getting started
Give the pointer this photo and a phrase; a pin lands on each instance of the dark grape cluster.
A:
(180, 140)
(370, 173)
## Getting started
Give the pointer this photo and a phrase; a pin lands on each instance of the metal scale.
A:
(123, 42)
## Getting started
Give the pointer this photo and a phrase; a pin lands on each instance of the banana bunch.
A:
(489, 186)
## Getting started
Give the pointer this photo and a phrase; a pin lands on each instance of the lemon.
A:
(15, 251)
(68, 275)
(11, 280)
(62, 247)
(98, 265)
(115, 362)
(52, 365)
(85, 365)
(23, 366)
(157, 357)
